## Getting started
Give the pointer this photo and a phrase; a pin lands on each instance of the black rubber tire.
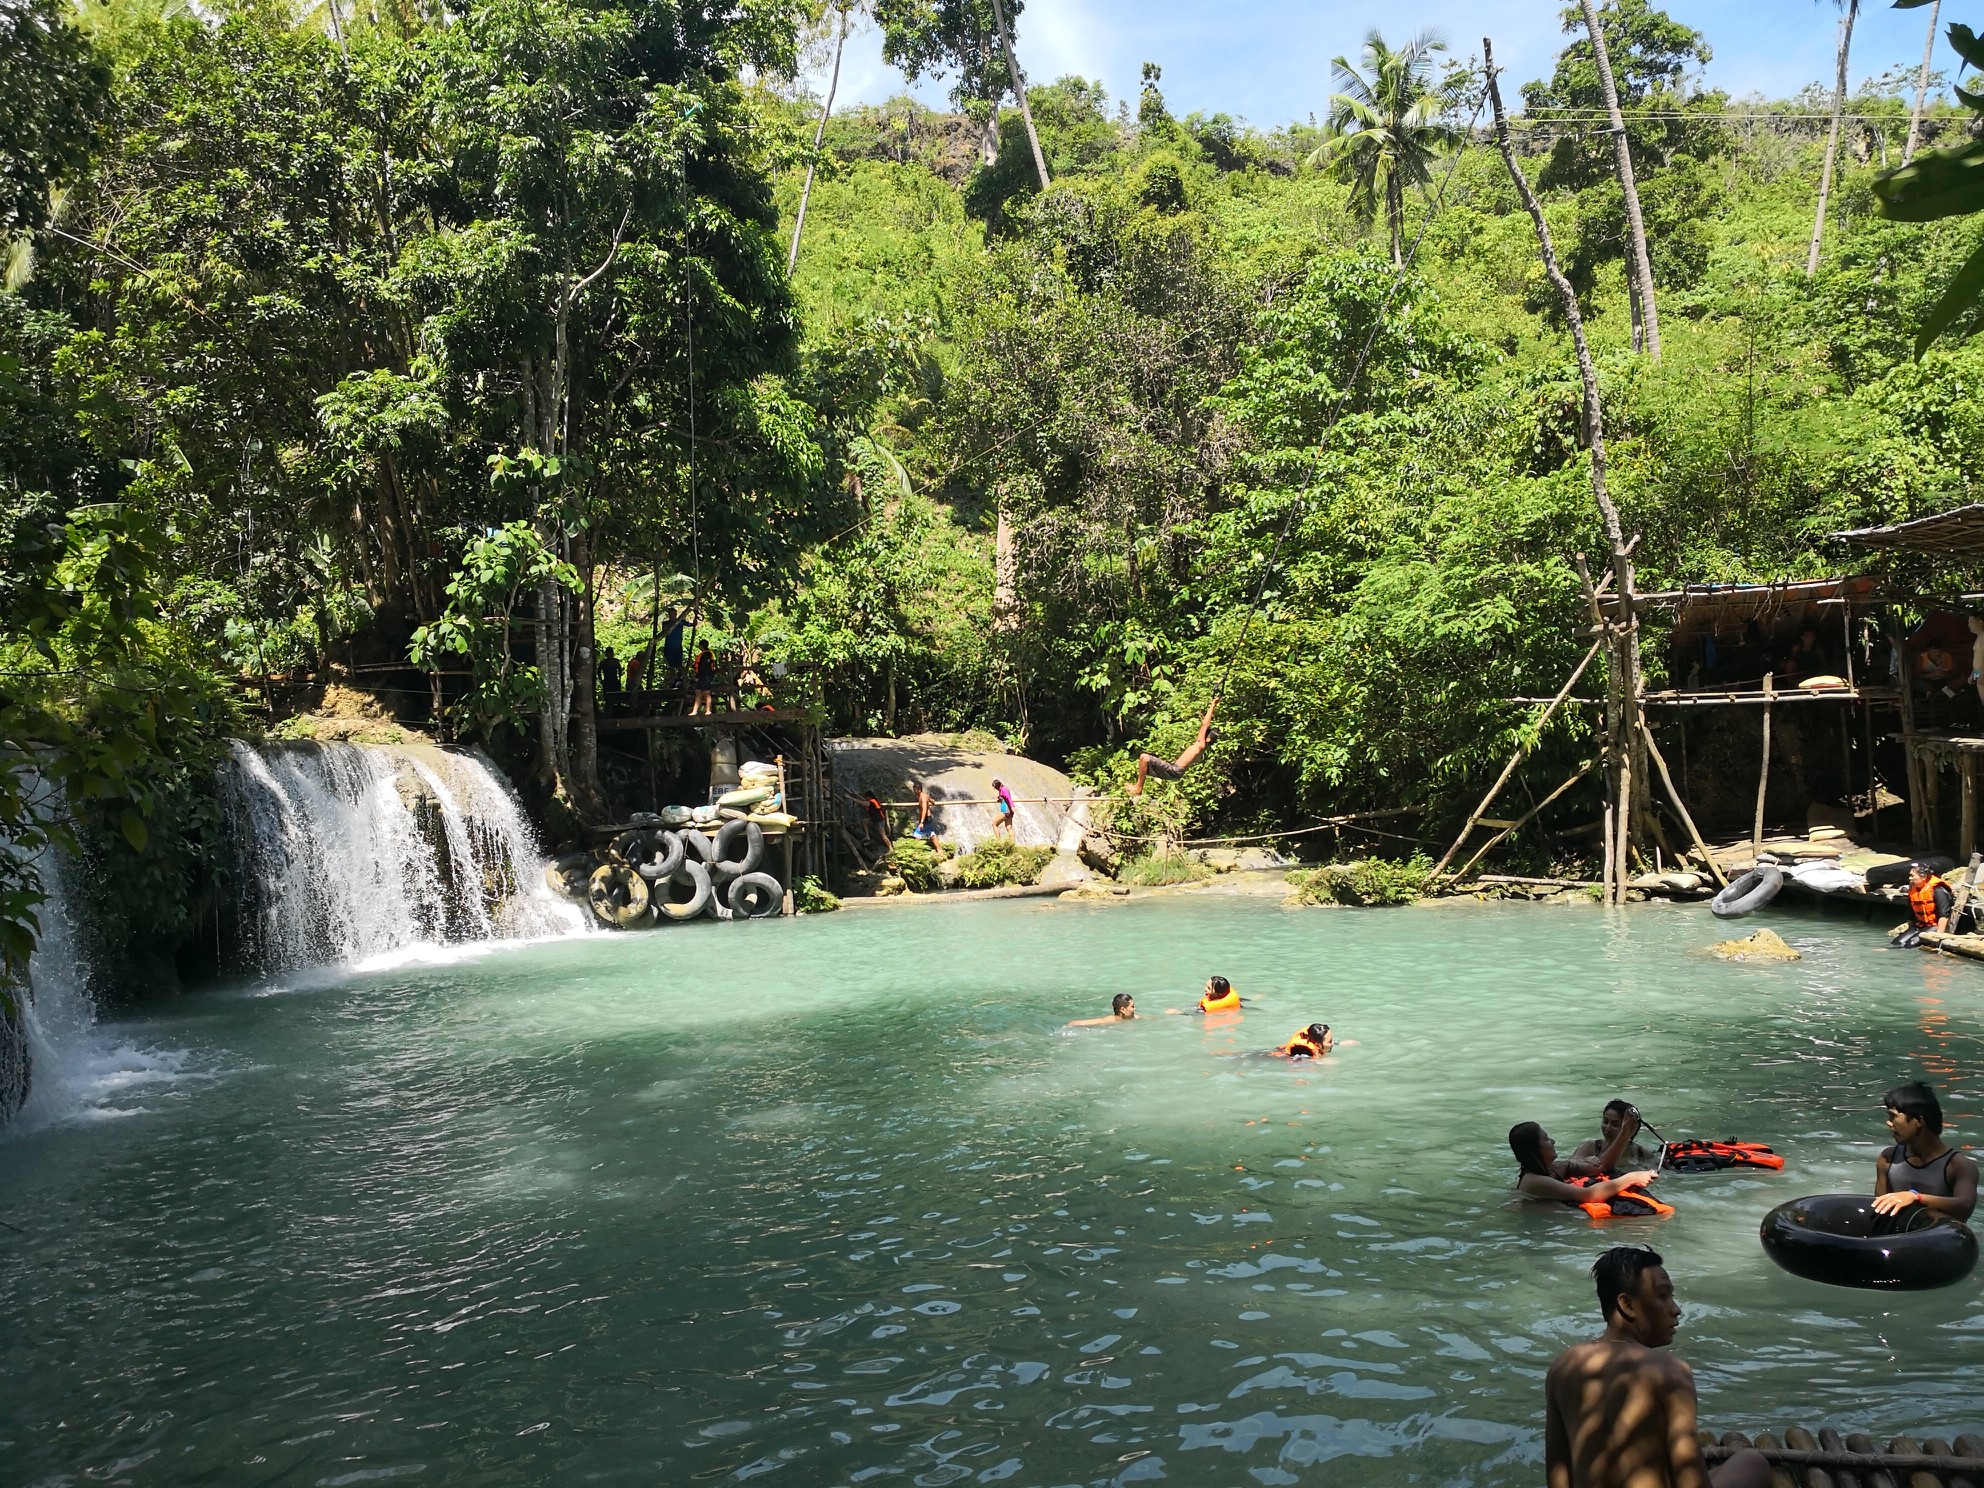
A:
(696, 879)
(661, 856)
(728, 865)
(619, 896)
(568, 877)
(1895, 875)
(1748, 894)
(1838, 1239)
(630, 845)
(697, 846)
(756, 896)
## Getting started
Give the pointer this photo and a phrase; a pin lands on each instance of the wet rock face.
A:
(16, 1072)
(1765, 945)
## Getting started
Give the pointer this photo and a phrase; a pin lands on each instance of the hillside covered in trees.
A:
(471, 341)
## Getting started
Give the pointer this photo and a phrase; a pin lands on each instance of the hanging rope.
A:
(1343, 400)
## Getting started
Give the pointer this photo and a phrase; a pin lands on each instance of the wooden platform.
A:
(1827, 1459)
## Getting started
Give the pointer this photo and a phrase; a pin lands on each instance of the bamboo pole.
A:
(1680, 807)
(1524, 820)
(1763, 777)
(1963, 892)
(1967, 841)
(1515, 759)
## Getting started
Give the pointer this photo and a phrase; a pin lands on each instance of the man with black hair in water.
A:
(1620, 1411)
(1122, 1007)
(1163, 769)
(1921, 1168)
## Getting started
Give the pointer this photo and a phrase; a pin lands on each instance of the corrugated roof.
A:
(1723, 610)
(1951, 534)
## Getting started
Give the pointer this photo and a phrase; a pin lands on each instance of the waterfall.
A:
(345, 853)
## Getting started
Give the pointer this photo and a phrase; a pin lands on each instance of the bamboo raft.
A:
(1829, 1460)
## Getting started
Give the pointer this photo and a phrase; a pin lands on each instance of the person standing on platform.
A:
(705, 681)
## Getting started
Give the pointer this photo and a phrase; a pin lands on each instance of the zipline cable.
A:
(1343, 398)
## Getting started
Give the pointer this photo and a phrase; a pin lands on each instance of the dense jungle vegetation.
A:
(338, 336)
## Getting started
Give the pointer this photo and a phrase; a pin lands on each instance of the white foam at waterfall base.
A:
(333, 867)
(79, 1069)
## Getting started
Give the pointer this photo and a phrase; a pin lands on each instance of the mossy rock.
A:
(1765, 945)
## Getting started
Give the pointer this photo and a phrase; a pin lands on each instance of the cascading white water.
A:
(345, 853)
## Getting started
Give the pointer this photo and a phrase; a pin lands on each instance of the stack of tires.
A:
(655, 875)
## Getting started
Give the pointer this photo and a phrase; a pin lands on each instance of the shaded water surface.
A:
(839, 1201)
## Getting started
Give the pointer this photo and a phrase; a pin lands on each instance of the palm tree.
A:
(845, 10)
(1921, 79)
(1385, 126)
(1852, 9)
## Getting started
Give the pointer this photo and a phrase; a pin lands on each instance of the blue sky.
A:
(1268, 60)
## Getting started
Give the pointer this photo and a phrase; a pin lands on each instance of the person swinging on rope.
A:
(1163, 769)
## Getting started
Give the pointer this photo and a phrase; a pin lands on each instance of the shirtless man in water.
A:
(1621, 1413)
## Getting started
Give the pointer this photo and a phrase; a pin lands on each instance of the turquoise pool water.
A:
(840, 1201)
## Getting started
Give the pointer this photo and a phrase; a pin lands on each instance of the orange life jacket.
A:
(1301, 1044)
(1221, 1005)
(1627, 1203)
(1709, 1157)
(1922, 901)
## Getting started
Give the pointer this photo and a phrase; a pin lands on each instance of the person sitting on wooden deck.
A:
(1619, 1412)
(1921, 1168)
(1163, 769)
(1805, 660)
(1930, 904)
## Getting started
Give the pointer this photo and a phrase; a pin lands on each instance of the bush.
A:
(915, 862)
(1154, 870)
(810, 896)
(1003, 861)
(1368, 881)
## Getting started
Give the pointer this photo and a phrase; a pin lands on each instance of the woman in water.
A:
(1218, 997)
(1543, 1176)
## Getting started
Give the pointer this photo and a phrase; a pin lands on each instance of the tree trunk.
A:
(1005, 574)
(586, 793)
(1639, 266)
(1019, 90)
(1395, 215)
(1832, 136)
(1626, 653)
(812, 163)
(1921, 87)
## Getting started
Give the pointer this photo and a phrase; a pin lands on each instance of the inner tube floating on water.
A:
(730, 860)
(1749, 893)
(619, 896)
(691, 878)
(756, 896)
(1839, 1239)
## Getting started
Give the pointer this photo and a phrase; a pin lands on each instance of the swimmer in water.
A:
(1921, 1168)
(1619, 1412)
(1609, 1121)
(1121, 1008)
(1218, 997)
(1543, 1175)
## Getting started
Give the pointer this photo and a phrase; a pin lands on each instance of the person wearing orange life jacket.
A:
(1543, 1176)
(1218, 997)
(1930, 901)
(1312, 1042)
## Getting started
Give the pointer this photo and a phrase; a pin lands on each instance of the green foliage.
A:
(1367, 881)
(810, 896)
(53, 91)
(1156, 869)
(1940, 184)
(916, 862)
(1001, 861)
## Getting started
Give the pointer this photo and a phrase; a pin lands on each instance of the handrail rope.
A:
(1343, 398)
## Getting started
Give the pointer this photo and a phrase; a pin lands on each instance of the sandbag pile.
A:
(685, 862)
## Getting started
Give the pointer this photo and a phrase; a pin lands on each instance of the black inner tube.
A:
(1841, 1240)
